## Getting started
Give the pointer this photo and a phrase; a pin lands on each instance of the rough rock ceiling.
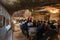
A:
(13, 5)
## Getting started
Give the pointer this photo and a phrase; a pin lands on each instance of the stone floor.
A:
(9, 35)
(59, 36)
(17, 34)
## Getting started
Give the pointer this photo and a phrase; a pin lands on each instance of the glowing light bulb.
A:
(54, 11)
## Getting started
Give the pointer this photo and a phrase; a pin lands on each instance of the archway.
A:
(44, 13)
(39, 13)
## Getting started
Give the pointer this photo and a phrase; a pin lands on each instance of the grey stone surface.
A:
(3, 12)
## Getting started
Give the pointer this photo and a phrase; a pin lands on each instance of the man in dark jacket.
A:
(39, 31)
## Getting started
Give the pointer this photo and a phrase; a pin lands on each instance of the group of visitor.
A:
(40, 30)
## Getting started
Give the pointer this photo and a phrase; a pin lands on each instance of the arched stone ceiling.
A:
(14, 5)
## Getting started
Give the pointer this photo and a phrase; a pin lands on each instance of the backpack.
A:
(29, 24)
(39, 28)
